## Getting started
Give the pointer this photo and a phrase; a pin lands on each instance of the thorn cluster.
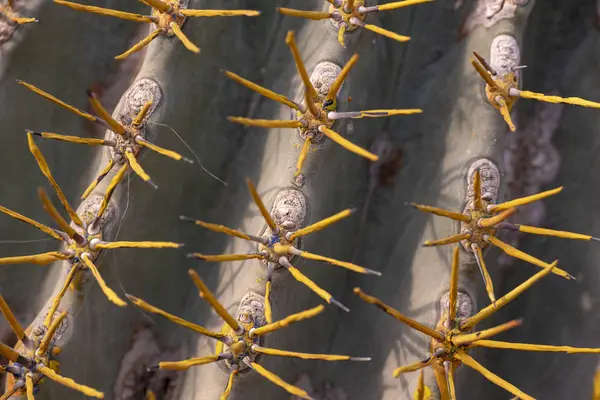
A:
(502, 92)
(279, 249)
(452, 340)
(167, 15)
(316, 116)
(349, 15)
(30, 367)
(480, 222)
(83, 241)
(7, 11)
(239, 342)
(126, 142)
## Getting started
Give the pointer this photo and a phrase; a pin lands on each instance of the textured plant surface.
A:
(300, 195)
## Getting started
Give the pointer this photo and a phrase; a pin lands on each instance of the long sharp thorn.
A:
(485, 64)
(478, 205)
(140, 45)
(507, 298)
(348, 145)
(173, 318)
(12, 321)
(58, 219)
(227, 391)
(137, 245)
(505, 112)
(449, 367)
(291, 42)
(489, 286)
(59, 102)
(551, 232)
(8, 352)
(185, 364)
(99, 179)
(159, 5)
(223, 229)
(494, 344)
(277, 380)
(184, 39)
(207, 295)
(265, 92)
(339, 80)
(449, 240)
(59, 296)
(453, 295)
(442, 213)
(266, 123)
(70, 383)
(317, 226)
(74, 139)
(514, 252)
(440, 378)
(49, 335)
(43, 165)
(225, 257)
(168, 153)
(379, 30)
(39, 259)
(523, 200)
(29, 386)
(420, 391)
(261, 206)
(399, 316)
(333, 115)
(110, 189)
(496, 219)
(469, 361)
(137, 168)
(8, 394)
(395, 5)
(283, 323)
(461, 340)
(576, 101)
(314, 15)
(305, 356)
(300, 277)
(343, 264)
(106, 11)
(220, 13)
(44, 228)
(108, 292)
(99, 108)
(139, 118)
(302, 156)
(484, 74)
(268, 308)
(413, 367)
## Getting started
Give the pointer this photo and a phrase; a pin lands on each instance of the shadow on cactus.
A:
(29, 368)
(167, 15)
(7, 11)
(481, 220)
(451, 340)
(83, 241)
(126, 143)
(349, 15)
(239, 342)
(279, 249)
(502, 92)
(316, 116)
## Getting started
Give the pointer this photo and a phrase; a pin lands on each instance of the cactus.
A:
(455, 144)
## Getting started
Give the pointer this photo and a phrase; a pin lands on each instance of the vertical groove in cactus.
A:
(307, 130)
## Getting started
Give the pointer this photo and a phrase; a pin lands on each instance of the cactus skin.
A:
(431, 72)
